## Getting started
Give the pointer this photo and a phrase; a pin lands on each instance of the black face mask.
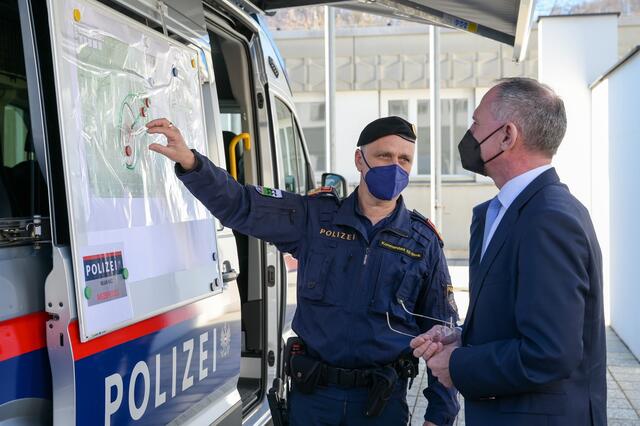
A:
(470, 154)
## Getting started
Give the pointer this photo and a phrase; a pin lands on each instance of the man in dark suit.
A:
(532, 348)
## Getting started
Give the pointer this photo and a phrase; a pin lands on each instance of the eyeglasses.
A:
(449, 325)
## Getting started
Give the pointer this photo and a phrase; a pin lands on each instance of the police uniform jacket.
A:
(346, 283)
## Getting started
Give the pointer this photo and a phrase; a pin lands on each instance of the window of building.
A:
(399, 108)
(423, 163)
(292, 168)
(312, 120)
(456, 119)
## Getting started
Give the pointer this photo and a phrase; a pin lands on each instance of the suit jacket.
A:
(533, 343)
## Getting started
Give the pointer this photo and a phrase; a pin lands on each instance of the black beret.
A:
(387, 126)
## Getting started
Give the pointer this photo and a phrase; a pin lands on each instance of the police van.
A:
(121, 299)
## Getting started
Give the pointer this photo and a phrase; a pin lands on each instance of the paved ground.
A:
(623, 383)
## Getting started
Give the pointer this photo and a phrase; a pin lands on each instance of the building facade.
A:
(384, 71)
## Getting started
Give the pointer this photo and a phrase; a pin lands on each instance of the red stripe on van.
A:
(134, 331)
(22, 334)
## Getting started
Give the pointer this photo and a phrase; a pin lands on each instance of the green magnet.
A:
(87, 292)
(125, 273)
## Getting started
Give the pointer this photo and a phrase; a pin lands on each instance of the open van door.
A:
(507, 21)
(136, 319)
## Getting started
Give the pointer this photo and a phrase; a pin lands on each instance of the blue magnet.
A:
(174, 71)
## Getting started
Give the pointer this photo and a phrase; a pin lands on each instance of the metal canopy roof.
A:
(507, 21)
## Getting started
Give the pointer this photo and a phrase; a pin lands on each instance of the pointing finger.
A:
(161, 130)
(159, 122)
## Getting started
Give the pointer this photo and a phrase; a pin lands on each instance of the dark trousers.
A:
(334, 406)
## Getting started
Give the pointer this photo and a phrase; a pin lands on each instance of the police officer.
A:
(366, 264)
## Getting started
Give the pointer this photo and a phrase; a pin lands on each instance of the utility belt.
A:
(307, 373)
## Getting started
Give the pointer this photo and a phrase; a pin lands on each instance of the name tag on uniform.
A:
(399, 249)
(338, 234)
(269, 192)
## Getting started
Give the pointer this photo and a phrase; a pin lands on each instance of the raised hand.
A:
(176, 148)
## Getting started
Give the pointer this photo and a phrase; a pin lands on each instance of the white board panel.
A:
(141, 243)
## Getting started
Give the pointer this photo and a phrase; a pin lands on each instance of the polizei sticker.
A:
(104, 277)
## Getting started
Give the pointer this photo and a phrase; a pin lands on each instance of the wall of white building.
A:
(572, 52)
(616, 197)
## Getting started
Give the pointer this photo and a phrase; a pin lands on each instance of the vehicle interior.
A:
(25, 261)
(231, 63)
(23, 191)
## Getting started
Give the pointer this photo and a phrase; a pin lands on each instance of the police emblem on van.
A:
(225, 341)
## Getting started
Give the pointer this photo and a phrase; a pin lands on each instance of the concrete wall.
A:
(600, 183)
(396, 57)
(573, 52)
(616, 103)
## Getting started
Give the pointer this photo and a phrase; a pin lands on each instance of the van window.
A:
(291, 160)
(22, 187)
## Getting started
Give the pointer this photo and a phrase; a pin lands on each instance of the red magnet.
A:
(147, 102)
(143, 112)
(127, 150)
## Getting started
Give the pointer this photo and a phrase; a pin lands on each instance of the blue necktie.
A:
(492, 213)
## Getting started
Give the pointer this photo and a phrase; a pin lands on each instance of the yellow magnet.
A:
(76, 15)
(193, 63)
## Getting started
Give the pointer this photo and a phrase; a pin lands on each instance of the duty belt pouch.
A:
(305, 373)
(383, 381)
(294, 346)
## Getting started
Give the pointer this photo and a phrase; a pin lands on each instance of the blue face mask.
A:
(385, 182)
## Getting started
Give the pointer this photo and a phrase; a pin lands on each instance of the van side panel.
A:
(24, 363)
(156, 370)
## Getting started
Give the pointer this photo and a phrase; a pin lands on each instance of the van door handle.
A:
(271, 276)
(232, 275)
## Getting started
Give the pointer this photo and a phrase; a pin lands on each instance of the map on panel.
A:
(135, 229)
(121, 88)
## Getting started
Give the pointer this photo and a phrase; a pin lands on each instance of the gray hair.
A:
(535, 109)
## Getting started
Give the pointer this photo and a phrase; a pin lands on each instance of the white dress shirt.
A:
(509, 192)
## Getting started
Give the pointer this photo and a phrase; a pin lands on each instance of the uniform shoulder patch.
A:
(418, 216)
(268, 192)
(323, 191)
